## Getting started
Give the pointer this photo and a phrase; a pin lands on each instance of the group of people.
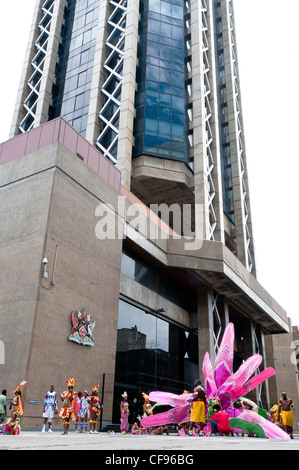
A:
(80, 407)
(12, 424)
(280, 414)
(83, 408)
(137, 428)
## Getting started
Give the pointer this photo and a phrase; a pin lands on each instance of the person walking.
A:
(285, 415)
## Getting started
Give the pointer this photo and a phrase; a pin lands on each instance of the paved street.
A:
(35, 440)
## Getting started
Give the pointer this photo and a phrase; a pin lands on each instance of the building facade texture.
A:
(132, 105)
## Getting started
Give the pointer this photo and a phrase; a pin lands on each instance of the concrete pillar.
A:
(205, 325)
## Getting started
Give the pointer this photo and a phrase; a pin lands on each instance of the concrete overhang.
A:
(217, 267)
(213, 265)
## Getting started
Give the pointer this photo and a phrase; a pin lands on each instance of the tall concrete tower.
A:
(153, 85)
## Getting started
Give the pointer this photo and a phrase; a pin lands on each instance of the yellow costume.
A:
(286, 418)
(198, 412)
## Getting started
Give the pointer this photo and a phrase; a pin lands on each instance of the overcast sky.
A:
(267, 41)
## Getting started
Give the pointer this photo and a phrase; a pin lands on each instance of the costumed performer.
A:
(16, 404)
(147, 409)
(136, 429)
(124, 414)
(274, 415)
(67, 409)
(249, 405)
(159, 430)
(12, 426)
(50, 408)
(220, 422)
(198, 408)
(285, 415)
(95, 408)
(77, 408)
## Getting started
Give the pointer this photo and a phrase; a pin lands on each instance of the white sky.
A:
(267, 41)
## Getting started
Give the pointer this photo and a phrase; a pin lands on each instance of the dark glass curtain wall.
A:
(151, 354)
(161, 127)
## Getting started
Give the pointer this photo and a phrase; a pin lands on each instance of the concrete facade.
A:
(48, 204)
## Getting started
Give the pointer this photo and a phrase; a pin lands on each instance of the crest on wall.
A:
(82, 328)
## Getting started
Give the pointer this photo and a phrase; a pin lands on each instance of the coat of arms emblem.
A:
(82, 328)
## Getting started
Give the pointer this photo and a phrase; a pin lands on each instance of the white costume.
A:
(50, 404)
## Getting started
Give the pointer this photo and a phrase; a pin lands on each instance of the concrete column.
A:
(205, 325)
(201, 190)
(266, 383)
(236, 135)
(215, 145)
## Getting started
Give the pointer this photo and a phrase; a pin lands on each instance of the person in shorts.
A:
(50, 408)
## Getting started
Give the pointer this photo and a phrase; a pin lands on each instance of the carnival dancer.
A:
(67, 409)
(285, 415)
(147, 410)
(124, 414)
(84, 412)
(220, 422)
(50, 408)
(77, 409)
(198, 408)
(136, 429)
(95, 408)
(12, 426)
(16, 404)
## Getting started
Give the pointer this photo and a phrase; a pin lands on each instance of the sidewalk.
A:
(35, 440)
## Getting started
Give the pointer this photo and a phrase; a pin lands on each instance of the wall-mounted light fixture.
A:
(45, 262)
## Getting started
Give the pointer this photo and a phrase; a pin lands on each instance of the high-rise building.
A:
(146, 91)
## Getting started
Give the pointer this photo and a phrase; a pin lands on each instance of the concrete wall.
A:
(280, 356)
(52, 210)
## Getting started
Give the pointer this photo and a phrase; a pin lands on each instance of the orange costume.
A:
(95, 405)
(16, 404)
(68, 402)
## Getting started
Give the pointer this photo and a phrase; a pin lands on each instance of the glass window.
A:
(82, 78)
(151, 125)
(89, 17)
(164, 128)
(177, 12)
(152, 353)
(154, 5)
(79, 101)
(154, 27)
(165, 8)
